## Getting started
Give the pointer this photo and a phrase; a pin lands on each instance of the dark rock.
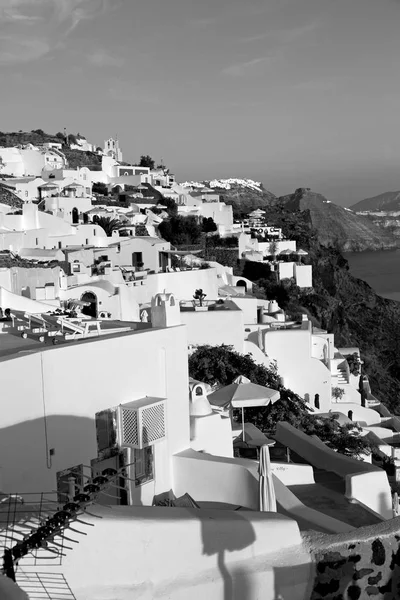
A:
(362, 573)
(354, 592)
(355, 558)
(327, 588)
(378, 553)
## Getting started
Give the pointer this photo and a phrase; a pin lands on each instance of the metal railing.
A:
(35, 530)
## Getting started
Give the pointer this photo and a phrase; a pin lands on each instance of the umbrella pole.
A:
(243, 424)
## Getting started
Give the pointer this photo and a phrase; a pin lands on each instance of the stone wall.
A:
(359, 565)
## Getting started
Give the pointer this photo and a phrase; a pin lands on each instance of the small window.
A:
(143, 460)
(26, 193)
(76, 268)
(105, 430)
(199, 391)
(59, 244)
(37, 241)
(94, 232)
(87, 242)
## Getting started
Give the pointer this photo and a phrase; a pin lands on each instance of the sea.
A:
(380, 269)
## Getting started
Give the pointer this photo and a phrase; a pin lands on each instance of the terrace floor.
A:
(327, 496)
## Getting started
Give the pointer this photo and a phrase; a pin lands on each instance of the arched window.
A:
(350, 415)
(199, 391)
(91, 309)
(75, 215)
(172, 301)
(242, 283)
(316, 401)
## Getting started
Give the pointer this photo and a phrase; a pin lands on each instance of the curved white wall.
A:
(181, 554)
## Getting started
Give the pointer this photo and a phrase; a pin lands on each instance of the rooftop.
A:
(8, 260)
(226, 305)
(9, 198)
(12, 345)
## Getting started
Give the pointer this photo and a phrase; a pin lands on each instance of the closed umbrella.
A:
(266, 489)
(395, 504)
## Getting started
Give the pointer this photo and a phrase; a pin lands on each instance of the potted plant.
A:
(199, 297)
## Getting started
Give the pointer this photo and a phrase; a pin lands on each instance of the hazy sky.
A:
(295, 93)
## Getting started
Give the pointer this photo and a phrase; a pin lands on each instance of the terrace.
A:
(23, 333)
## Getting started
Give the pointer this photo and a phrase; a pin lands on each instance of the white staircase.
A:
(342, 374)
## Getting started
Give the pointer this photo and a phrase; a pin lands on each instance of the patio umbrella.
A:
(265, 483)
(243, 394)
(302, 252)
(286, 252)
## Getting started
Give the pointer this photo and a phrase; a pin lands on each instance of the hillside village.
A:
(176, 425)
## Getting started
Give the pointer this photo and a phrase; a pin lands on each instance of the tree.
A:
(146, 161)
(209, 226)
(220, 365)
(199, 296)
(38, 132)
(172, 207)
(141, 230)
(60, 136)
(180, 230)
(354, 363)
(254, 270)
(71, 139)
(100, 188)
(109, 225)
(345, 439)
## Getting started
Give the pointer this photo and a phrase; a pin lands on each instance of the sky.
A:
(293, 93)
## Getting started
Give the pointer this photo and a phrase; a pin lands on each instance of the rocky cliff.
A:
(346, 306)
(336, 226)
(387, 202)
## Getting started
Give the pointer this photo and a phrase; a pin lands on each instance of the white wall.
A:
(25, 281)
(210, 478)
(302, 373)
(248, 306)
(286, 270)
(13, 162)
(17, 302)
(365, 483)
(182, 284)
(211, 434)
(149, 247)
(121, 368)
(177, 554)
(220, 212)
(215, 327)
(303, 275)
(293, 474)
